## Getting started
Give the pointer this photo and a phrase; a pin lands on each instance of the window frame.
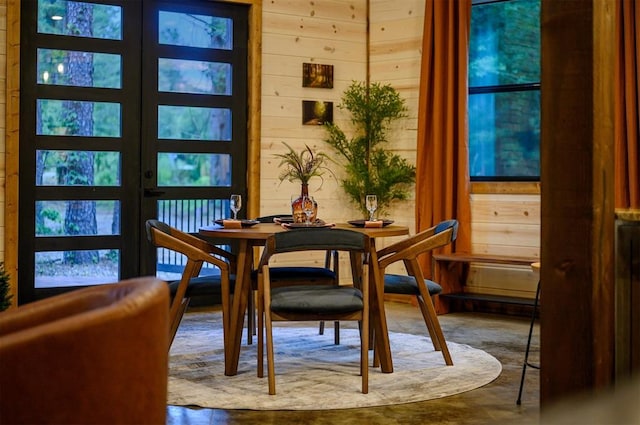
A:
(499, 89)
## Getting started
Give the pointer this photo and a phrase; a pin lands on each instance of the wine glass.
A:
(372, 205)
(307, 208)
(235, 202)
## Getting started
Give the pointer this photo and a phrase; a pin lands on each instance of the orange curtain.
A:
(442, 172)
(627, 100)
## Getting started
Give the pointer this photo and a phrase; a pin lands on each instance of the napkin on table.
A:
(232, 224)
(375, 223)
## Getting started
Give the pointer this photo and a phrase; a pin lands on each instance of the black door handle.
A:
(149, 193)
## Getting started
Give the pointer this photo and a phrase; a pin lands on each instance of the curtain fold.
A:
(627, 111)
(442, 172)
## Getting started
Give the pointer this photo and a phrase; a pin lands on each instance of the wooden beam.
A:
(12, 147)
(577, 215)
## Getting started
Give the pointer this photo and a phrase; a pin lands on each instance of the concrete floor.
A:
(502, 336)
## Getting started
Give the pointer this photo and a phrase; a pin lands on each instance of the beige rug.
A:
(314, 374)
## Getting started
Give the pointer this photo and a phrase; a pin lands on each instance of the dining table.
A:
(255, 235)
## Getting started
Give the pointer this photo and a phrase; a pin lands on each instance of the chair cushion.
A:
(310, 274)
(209, 285)
(406, 285)
(322, 299)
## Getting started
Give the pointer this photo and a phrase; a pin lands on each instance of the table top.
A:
(262, 231)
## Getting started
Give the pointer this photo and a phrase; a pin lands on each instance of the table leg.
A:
(378, 316)
(240, 298)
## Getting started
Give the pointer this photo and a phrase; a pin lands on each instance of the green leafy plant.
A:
(371, 168)
(302, 166)
(5, 297)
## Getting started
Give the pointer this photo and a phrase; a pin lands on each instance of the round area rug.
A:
(314, 374)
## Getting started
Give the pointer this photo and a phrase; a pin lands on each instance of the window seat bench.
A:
(451, 272)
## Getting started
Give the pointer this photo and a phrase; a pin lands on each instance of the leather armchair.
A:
(93, 355)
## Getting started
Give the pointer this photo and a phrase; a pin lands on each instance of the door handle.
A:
(153, 193)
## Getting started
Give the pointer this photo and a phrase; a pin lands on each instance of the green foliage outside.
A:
(5, 297)
(369, 166)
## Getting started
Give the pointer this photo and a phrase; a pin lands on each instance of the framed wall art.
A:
(317, 75)
(316, 112)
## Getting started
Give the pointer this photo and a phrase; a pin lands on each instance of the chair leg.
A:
(364, 353)
(526, 353)
(260, 337)
(430, 326)
(270, 366)
(321, 328)
(177, 319)
(336, 332)
(433, 326)
(251, 324)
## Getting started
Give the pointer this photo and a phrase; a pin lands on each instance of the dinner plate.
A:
(283, 219)
(319, 224)
(361, 223)
(243, 223)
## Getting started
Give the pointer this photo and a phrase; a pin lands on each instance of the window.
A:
(504, 90)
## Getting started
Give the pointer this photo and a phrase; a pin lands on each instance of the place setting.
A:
(235, 204)
(371, 203)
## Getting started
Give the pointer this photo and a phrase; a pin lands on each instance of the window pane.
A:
(60, 218)
(182, 29)
(80, 19)
(77, 118)
(194, 123)
(187, 215)
(185, 76)
(77, 168)
(97, 69)
(76, 268)
(505, 43)
(504, 134)
(191, 169)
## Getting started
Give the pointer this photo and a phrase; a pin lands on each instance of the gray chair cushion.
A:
(207, 286)
(322, 299)
(406, 285)
(307, 273)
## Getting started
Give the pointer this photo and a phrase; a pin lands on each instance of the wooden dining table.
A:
(254, 236)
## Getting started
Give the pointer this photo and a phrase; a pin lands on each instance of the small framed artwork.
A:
(317, 75)
(316, 112)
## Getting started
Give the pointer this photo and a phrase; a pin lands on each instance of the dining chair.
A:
(197, 251)
(312, 301)
(327, 275)
(414, 283)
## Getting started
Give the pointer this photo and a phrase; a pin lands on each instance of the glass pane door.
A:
(129, 111)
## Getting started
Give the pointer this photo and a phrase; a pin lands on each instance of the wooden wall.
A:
(504, 224)
(334, 32)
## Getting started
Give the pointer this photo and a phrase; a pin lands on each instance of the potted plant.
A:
(301, 167)
(371, 168)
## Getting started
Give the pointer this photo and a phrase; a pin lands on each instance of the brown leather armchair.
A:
(93, 355)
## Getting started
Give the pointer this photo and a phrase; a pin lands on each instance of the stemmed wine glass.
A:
(307, 208)
(372, 205)
(235, 202)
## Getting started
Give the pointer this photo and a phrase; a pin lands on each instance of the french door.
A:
(130, 110)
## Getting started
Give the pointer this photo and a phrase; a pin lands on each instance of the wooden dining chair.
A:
(327, 275)
(309, 302)
(414, 283)
(197, 251)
